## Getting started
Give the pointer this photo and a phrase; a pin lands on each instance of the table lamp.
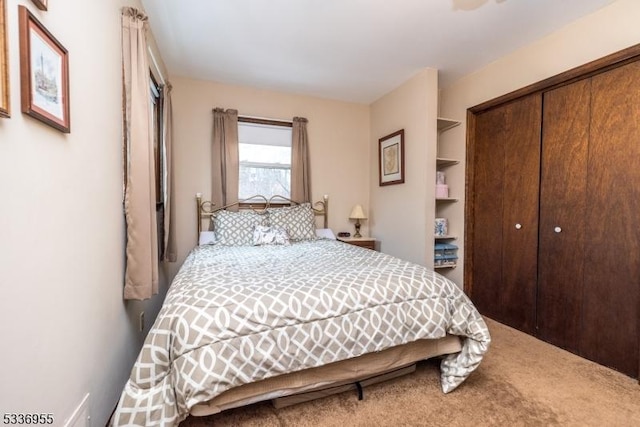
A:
(357, 213)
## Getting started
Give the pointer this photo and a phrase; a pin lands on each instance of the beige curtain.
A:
(169, 245)
(141, 275)
(300, 175)
(225, 159)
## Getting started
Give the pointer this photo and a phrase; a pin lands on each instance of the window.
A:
(156, 126)
(264, 148)
(155, 120)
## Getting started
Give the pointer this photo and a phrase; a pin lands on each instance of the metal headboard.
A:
(206, 210)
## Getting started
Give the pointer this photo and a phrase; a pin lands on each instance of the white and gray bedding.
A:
(239, 314)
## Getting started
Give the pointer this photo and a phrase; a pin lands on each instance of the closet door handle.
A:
(518, 226)
(557, 229)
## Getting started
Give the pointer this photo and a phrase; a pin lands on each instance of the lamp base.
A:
(357, 229)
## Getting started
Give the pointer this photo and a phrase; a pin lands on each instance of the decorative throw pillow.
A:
(299, 221)
(236, 228)
(263, 235)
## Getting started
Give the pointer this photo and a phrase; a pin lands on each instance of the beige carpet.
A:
(521, 382)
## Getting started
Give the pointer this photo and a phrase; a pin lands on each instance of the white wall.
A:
(65, 328)
(402, 215)
(338, 143)
(608, 30)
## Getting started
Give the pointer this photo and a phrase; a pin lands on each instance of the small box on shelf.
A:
(445, 255)
(441, 227)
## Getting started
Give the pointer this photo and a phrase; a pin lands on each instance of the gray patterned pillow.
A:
(236, 228)
(298, 220)
(270, 236)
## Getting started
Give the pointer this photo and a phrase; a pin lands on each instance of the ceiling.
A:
(350, 50)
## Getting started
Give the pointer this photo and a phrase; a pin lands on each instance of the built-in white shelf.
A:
(446, 124)
(442, 162)
(447, 237)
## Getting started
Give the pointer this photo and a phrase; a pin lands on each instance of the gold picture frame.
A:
(391, 158)
(5, 110)
(44, 73)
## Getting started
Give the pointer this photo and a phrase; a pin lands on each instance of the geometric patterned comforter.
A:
(238, 314)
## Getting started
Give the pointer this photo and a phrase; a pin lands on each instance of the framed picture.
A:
(4, 62)
(41, 4)
(391, 158)
(44, 73)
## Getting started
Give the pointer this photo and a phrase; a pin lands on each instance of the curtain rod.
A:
(260, 120)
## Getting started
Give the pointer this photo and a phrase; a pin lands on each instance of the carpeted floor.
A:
(521, 382)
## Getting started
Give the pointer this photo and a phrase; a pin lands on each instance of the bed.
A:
(264, 309)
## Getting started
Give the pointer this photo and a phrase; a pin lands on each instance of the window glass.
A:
(155, 122)
(265, 160)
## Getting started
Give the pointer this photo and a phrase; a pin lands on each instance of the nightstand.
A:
(363, 242)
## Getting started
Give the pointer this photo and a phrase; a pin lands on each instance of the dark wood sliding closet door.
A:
(563, 191)
(553, 210)
(487, 196)
(505, 201)
(612, 254)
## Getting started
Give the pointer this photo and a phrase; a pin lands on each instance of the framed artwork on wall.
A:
(41, 4)
(391, 158)
(4, 62)
(44, 73)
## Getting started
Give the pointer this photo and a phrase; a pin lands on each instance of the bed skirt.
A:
(296, 387)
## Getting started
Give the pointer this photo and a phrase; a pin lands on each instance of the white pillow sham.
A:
(207, 238)
(325, 233)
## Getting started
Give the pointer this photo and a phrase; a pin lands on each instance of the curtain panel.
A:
(169, 252)
(225, 162)
(300, 173)
(141, 275)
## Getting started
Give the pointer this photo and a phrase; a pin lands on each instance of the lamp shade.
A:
(357, 213)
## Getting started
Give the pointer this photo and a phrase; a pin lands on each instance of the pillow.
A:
(207, 238)
(325, 233)
(270, 236)
(299, 221)
(236, 228)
